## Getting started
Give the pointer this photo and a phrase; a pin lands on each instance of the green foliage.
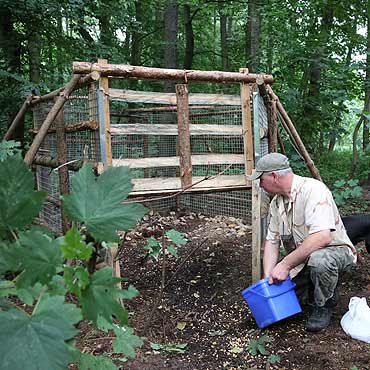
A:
(155, 248)
(97, 202)
(273, 359)
(170, 347)
(19, 203)
(32, 268)
(74, 247)
(258, 345)
(345, 190)
(38, 341)
(8, 148)
(100, 298)
(126, 342)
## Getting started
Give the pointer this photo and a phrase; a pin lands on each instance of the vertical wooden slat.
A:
(182, 97)
(62, 159)
(247, 123)
(256, 231)
(104, 118)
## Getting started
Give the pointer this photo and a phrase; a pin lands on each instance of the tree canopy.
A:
(316, 50)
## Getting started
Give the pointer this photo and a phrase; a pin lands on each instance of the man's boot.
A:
(319, 319)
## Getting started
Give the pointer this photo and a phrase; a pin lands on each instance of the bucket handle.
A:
(271, 296)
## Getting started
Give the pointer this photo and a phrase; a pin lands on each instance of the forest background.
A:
(317, 50)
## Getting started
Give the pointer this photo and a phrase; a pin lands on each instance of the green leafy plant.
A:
(258, 345)
(345, 190)
(170, 347)
(155, 248)
(8, 148)
(39, 333)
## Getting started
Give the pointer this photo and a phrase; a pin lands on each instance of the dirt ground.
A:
(202, 306)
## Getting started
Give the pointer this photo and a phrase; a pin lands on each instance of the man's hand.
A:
(279, 273)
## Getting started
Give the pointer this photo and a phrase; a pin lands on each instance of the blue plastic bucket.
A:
(271, 303)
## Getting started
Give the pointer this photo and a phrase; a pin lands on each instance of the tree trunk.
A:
(311, 110)
(365, 130)
(170, 35)
(189, 37)
(253, 35)
(136, 41)
(34, 44)
(223, 32)
(59, 48)
(10, 44)
(106, 32)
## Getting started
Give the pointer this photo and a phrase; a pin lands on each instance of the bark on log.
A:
(74, 127)
(48, 161)
(85, 80)
(127, 71)
(184, 135)
(310, 164)
(61, 159)
(18, 118)
(281, 144)
(30, 155)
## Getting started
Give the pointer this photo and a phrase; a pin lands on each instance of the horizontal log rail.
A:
(74, 127)
(184, 76)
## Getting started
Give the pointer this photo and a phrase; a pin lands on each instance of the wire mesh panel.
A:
(214, 141)
(79, 110)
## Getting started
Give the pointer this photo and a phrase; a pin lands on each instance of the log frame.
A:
(185, 76)
(62, 98)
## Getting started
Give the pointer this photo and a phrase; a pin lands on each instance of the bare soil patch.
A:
(203, 307)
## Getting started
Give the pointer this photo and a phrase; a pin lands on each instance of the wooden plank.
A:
(162, 185)
(247, 124)
(151, 97)
(196, 160)
(182, 96)
(104, 88)
(256, 231)
(171, 130)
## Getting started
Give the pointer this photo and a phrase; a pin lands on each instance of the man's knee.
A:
(323, 260)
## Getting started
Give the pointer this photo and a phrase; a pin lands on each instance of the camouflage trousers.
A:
(317, 282)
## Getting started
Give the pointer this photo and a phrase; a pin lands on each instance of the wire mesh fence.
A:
(85, 145)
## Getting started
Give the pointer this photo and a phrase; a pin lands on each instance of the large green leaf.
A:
(100, 298)
(37, 342)
(39, 257)
(19, 202)
(126, 341)
(97, 202)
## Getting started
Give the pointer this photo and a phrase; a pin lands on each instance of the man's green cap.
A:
(269, 162)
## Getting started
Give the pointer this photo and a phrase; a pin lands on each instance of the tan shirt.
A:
(309, 209)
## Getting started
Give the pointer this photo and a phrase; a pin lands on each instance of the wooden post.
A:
(62, 159)
(249, 164)
(30, 155)
(18, 118)
(256, 231)
(182, 96)
(104, 119)
(247, 124)
(293, 132)
(270, 104)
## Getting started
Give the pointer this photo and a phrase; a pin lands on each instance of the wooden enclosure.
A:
(193, 148)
